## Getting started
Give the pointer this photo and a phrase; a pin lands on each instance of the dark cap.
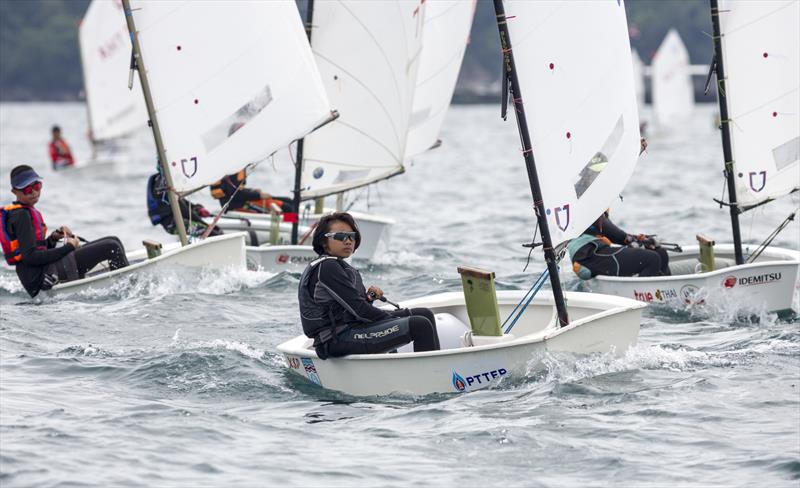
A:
(23, 178)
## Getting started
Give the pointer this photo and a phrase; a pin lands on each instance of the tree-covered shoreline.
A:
(40, 59)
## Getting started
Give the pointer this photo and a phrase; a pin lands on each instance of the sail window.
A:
(600, 160)
(351, 175)
(787, 153)
(228, 126)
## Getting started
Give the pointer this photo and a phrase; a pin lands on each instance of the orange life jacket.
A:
(217, 189)
(9, 242)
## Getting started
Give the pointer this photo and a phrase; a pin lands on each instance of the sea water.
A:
(174, 379)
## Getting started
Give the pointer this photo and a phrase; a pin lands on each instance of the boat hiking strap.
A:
(527, 299)
(771, 237)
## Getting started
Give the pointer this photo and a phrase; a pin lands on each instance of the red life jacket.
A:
(9, 242)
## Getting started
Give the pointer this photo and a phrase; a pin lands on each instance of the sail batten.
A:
(761, 51)
(231, 82)
(576, 72)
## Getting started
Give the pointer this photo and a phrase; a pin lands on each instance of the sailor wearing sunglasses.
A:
(26, 246)
(337, 311)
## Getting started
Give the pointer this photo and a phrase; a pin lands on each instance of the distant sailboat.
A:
(673, 94)
(115, 111)
(638, 80)
(205, 67)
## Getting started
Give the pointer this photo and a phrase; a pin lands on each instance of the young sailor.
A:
(338, 313)
(38, 262)
(246, 199)
(592, 253)
(60, 153)
(160, 212)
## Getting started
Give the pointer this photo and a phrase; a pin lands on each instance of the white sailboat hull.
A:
(220, 252)
(600, 324)
(280, 258)
(375, 234)
(767, 284)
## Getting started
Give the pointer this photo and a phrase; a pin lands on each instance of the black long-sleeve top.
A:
(31, 269)
(335, 278)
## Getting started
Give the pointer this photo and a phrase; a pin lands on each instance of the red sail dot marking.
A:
(766, 55)
(569, 135)
(552, 66)
(174, 163)
(196, 101)
(179, 48)
(774, 114)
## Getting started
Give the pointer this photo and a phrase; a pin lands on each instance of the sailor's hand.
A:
(201, 211)
(374, 293)
(62, 231)
(74, 241)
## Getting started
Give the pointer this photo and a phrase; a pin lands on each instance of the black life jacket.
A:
(322, 321)
(224, 188)
(157, 206)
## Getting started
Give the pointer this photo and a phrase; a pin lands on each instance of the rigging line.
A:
(763, 246)
(442, 13)
(535, 289)
(224, 209)
(443, 67)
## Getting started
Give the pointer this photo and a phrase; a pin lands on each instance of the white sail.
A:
(574, 65)
(673, 94)
(231, 82)
(444, 40)
(368, 56)
(114, 110)
(638, 78)
(761, 57)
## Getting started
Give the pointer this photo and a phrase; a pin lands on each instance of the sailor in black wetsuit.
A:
(160, 212)
(336, 310)
(38, 262)
(639, 255)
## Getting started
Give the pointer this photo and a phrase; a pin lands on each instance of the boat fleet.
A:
(357, 89)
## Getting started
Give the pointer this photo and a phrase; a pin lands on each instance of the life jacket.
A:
(323, 320)
(218, 187)
(9, 241)
(61, 154)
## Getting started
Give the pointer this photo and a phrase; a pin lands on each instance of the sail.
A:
(231, 82)
(576, 77)
(673, 94)
(444, 40)
(114, 110)
(638, 79)
(761, 57)
(368, 56)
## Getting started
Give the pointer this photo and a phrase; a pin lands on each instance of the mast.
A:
(727, 153)
(148, 100)
(530, 164)
(298, 165)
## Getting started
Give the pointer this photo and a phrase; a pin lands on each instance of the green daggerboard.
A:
(481, 300)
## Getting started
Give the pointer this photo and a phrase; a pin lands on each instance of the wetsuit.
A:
(160, 212)
(60, 154)
(43, 264)
(336, 313)
(593, 250)
(246, 199)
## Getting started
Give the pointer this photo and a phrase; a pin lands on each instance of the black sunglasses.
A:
(342, 236)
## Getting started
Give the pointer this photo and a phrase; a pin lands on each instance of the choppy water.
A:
(175, 380)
